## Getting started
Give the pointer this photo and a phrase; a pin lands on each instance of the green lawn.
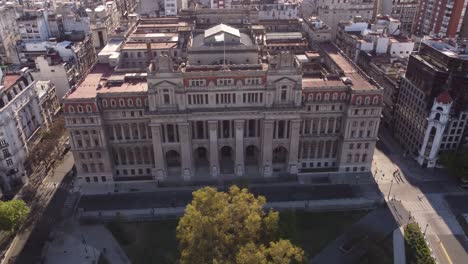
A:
(154, 242)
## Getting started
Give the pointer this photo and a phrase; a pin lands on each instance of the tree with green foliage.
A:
(417, 251)
(232, 227)
(12, 214)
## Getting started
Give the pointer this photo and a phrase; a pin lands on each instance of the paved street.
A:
(421, 193)
(46, 208)
(179, 198)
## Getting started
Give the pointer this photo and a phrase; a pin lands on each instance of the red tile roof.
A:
(444, 98)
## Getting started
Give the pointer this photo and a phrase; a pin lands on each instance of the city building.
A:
(403, 10)
(224, 111)
(441, 18)
(431, 112)
(332, 12)
(381, 37)
(271, 9)
(48, 101)
(20, 123)
(317, 31)
(33, 25)
(9, 33)
(65, 63)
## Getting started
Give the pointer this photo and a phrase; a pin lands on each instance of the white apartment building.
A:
(33, 25)
(20, 122)
(381, 37)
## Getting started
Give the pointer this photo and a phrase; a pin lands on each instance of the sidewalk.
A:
(399, 255)
(76, 244)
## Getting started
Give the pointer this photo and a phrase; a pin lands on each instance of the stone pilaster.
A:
(267, 148)
(186, 150)
(239, 133)
(294, 145)
(159, 170)
(214, 158)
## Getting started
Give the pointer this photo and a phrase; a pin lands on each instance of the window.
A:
(88, 109)
(113, 103)
(130, 102)
(367, 100)
(284, 93)
(375, 100)
(166, 96)
(138, 102)
(121, 102)
(71, 109)
(104, 103)
(358, 100)
(80, 109)
(9, 162)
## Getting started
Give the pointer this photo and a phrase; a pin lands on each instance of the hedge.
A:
(417, 251)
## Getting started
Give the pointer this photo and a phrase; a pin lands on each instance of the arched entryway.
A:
(201, 162)
(280, 159)
(173, 163)
(251, 161)
(226, 160)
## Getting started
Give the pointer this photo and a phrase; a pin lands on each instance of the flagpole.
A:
(224, 51)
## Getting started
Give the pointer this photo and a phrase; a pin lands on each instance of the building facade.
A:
(21, 120)
(223, 115)
(441, 18)
(431, 111)
(9, 34)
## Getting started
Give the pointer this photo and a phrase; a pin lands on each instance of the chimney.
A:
(150, 52)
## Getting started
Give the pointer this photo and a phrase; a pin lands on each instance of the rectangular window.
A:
(9, 162)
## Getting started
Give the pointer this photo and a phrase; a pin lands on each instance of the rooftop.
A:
(154, 46)
(222, 28)
(10, 79)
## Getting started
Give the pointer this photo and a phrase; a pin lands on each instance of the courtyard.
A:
(155, 241)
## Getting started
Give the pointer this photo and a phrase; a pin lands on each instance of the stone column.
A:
(186, 150)
(239, 133)
(114, 131)
(294, 145)
(267, 148)
(214, 156)
(139, 131)
(159, 169)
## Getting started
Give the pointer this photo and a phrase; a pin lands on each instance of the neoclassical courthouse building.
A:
(210, 102)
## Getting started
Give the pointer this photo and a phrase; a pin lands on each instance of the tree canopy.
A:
(12, 214)
(232, 227)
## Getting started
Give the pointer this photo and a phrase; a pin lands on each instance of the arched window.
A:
(88, 109)
(113, 103)
(80, 109)
(121, 102)
(359, 100)
(343, 96)
(326, 97)
(71, 109)
(367, 100)
(437, 117)
(130, 102)
(375, 100)
(138, 102)
(318, 97)
(311, 97)
(104, 103)
(335, 96)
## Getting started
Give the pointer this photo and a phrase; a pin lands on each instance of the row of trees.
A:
(48, 148)
(417, 251)
(232, 227)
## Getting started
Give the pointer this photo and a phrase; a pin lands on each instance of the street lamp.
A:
(425, 229)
